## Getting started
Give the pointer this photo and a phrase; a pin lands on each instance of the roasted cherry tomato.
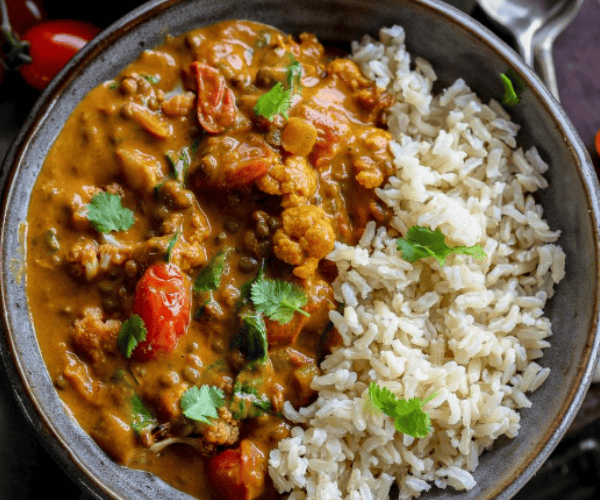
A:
(216, 102)
(162, 299)
(238, 473)
(52, 45)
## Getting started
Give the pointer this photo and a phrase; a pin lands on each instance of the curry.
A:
(168, 214)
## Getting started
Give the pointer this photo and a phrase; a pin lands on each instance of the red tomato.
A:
(216, 102)
(52, 45)
(162, 299)
(237, 474)
(598, 142)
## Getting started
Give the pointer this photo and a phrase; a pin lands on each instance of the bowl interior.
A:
(457, 47)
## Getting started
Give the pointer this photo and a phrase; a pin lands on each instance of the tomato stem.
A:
(18, 50)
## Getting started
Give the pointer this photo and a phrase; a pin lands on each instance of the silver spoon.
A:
(535, 25)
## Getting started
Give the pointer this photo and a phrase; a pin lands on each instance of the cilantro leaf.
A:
(132, 332)
(201, 403)
(294, 73)
(510, 97)
(246, 401)
(141, 416)
(409, 417)
(106, 213)
(422, 242)
(278, 299)
(276, 101)
(180, 162)
(252, 338)
(246, 288)
(172, 242)
(210, 277)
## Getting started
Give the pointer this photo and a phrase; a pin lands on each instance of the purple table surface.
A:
(23, 461)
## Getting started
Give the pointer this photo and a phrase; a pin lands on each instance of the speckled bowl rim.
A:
(19, 373)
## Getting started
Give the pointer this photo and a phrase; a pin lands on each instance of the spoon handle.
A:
(543, 43)
(544, 65)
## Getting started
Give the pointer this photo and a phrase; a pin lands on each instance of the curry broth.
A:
(194, 193)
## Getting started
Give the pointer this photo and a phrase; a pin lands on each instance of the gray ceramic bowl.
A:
(458, 47)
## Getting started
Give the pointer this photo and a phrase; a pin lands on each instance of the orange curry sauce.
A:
(176, 136)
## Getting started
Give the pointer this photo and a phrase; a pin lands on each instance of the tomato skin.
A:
(216, 102)
(224, 473)
(52, 45)
(162, 299)
(237, 473)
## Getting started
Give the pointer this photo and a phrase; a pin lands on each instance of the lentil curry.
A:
(165, 200)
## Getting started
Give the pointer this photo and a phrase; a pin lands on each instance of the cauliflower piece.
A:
(295, 181)
(306, 237)
(371, 157)
(93, 337)
(89, 259)
(222, 432)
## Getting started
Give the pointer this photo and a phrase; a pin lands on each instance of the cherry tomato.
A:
(163, 300)
(238, 473)
(598, 142)
(52, 44)
(216, 102)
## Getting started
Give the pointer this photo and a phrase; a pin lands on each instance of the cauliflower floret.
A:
(371, 157)
(93, 337)
(224, 431)
(89, 259)
(295, 181)
(305, 237)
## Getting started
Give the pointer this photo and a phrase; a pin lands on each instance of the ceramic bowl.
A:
(457, 46)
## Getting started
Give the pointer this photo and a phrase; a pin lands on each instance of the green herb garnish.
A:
(180, 162)
(132, 332)
(106, 213)
(172, 242)
(510, 97)
(409, 417)
(294, 73)
(252, 338)
(278, 299)
(210, 277)
(276, 101)
(422, 242)
(152, 79)
(141, 416)
(201, 403)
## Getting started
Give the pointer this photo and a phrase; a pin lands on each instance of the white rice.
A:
(471, 331)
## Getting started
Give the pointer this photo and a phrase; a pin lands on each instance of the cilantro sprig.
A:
(422, 242)
(409, 417)
(209, 278)
(252, 337)
(132, 332)
(201, 403)
(513, 86)
(106, 213)
(278, 299)
(278, 100)
(141, 416)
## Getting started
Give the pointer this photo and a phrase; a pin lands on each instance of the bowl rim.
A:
(16, 372)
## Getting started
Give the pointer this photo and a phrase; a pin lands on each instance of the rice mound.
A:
(469, 331)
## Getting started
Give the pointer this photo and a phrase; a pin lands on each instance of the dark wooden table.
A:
(25, 465)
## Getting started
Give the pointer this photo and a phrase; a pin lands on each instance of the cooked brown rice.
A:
(470, 331)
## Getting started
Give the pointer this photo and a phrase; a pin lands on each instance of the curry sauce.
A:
(217, 190)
